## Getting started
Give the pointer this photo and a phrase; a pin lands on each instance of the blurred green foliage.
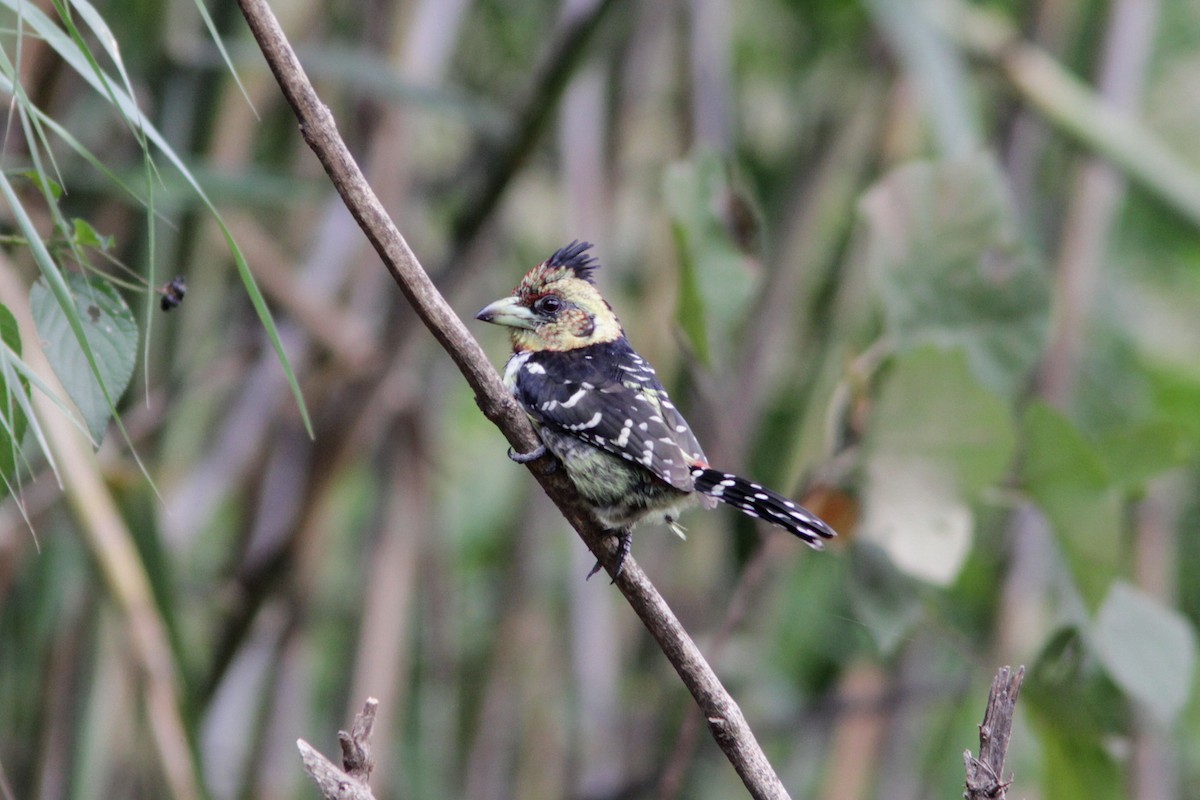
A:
(869, 256)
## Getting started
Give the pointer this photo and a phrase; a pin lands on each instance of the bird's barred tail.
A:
(758, 501)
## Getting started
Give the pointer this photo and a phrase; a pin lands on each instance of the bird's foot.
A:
(624, 545)
(525, 458)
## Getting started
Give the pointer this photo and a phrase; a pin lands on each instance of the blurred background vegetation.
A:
(932, 267)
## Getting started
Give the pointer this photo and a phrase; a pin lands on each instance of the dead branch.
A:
(351, 780)
(985, 775)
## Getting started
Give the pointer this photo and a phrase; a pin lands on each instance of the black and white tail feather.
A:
(760, 502)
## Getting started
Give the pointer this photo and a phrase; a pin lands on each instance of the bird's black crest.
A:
(575, 258)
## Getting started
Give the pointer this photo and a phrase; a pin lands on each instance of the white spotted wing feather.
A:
(609, 397)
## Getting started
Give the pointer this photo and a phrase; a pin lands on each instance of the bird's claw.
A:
(525, 458)
(624, 545)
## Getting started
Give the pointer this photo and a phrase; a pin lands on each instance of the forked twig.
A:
(351, 780)
(985, 775)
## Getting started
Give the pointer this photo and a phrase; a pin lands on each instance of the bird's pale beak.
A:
(509, 312)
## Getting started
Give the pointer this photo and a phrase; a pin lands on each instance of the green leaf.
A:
(1139, 453)
(13, 420)
(937, 438)
(717, 281)
(1074, 708)
(1077, 767)
(111, 333)
(75, 54)
(1176, 397)
(942, 239)
(1148, 650)
(86, 236)
(1068, 687)
(931, 406)
(1070, 482)
(44, 183)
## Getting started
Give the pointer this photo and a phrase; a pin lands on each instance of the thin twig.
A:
(351, 781)
(319, 129)
(985, 775)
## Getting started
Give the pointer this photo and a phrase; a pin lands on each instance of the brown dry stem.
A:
(985, 775)
(352, 780)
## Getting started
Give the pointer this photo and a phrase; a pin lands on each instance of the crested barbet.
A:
(598, 408)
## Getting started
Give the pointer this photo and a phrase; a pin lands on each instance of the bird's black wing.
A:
(609, 397)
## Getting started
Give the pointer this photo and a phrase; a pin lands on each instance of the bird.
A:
(600, 410)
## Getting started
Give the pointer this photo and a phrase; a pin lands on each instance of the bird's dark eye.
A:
(548, 304)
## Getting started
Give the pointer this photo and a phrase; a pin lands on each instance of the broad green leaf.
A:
(941, 238)
(1148, 650)
(717, 280)
(111, 333)
(60, 288)
(1069, 688)
(937, 438)
(1071, 484)
(932, 407)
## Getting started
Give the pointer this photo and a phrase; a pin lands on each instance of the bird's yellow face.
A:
(554, 309)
